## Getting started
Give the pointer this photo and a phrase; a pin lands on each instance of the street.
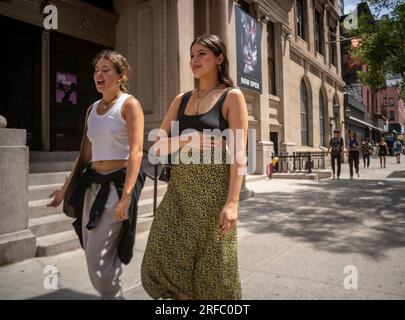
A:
(296, 240)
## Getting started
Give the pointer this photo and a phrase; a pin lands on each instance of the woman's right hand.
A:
(58, 198)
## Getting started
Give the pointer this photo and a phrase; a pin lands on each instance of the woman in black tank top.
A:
(192, 246)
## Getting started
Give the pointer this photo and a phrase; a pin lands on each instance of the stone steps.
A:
(38, 156)
(315, 175)
(57, 243)
(50, 166)
(47, 178)
(52, 224)
(42, 192)
(38, 208)
(53, 228)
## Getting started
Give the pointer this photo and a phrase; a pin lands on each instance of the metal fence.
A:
(300, 161)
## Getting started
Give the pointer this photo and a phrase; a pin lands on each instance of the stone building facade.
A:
(302, 88)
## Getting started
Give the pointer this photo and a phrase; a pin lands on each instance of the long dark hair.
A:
(216, 45)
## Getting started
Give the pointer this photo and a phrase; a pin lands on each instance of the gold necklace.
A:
(106, 105)
(206, 94)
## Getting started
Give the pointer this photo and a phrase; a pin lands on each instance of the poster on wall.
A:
(248, 51)
(66, 88)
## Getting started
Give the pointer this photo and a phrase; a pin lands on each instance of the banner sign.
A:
(248, 51)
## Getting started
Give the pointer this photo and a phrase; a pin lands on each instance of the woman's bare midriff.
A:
(108, 165)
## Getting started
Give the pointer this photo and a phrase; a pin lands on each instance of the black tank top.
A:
(212, 119)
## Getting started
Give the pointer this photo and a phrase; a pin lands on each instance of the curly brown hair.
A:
(120, 63)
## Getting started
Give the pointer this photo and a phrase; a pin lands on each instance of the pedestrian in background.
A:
(353, 148)
(366, 150)
(336, 145)
(382, 152)
(397, 147)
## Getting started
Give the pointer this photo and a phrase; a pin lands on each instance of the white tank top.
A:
(108, 133)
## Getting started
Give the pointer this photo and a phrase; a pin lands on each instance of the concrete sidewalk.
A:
(295, 239)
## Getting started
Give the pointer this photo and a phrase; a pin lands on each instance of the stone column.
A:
(326, 36)
(45, 114)
(217, 16)
(338, 50)
(201, 17)
(264, 151)
(16, 241)
(286, 148)
(310, 27)
(211, 18)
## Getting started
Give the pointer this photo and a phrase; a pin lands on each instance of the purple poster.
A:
(66, 88)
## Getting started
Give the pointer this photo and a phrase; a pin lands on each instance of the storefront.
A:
(358, 120)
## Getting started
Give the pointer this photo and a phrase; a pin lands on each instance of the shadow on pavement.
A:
(358, 216)
(66, 294)
(397, 174)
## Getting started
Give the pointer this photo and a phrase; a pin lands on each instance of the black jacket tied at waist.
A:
(76, 200)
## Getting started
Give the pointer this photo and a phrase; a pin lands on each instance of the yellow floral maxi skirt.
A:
(186, 251)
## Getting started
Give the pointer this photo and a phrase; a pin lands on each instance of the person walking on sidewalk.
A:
(336, 145)
(397, 148)
(105, 184)
(366, 150)
(192, 247)
(382, 152)
(353, 148)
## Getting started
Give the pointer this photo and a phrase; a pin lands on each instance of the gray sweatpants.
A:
(101, 245)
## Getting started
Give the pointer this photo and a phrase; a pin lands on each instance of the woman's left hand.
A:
(229, 217)
(121, 211)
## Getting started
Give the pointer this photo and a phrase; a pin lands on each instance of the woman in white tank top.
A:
(112, 140)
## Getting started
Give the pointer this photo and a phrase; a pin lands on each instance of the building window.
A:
(304, 114)
(332, 46)
(321, 119)
(300, 18)
(318, 32)
(271, 59)
(392, 116)
(391, 102)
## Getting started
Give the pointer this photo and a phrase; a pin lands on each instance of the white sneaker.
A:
(333, 177)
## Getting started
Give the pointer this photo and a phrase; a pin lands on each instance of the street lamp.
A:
(347, 112)
(336, 109)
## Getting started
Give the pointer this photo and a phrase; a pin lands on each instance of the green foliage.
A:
(382, 45)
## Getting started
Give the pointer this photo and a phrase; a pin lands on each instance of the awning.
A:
(366, 124)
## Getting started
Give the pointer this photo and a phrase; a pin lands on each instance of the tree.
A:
(382, 45)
